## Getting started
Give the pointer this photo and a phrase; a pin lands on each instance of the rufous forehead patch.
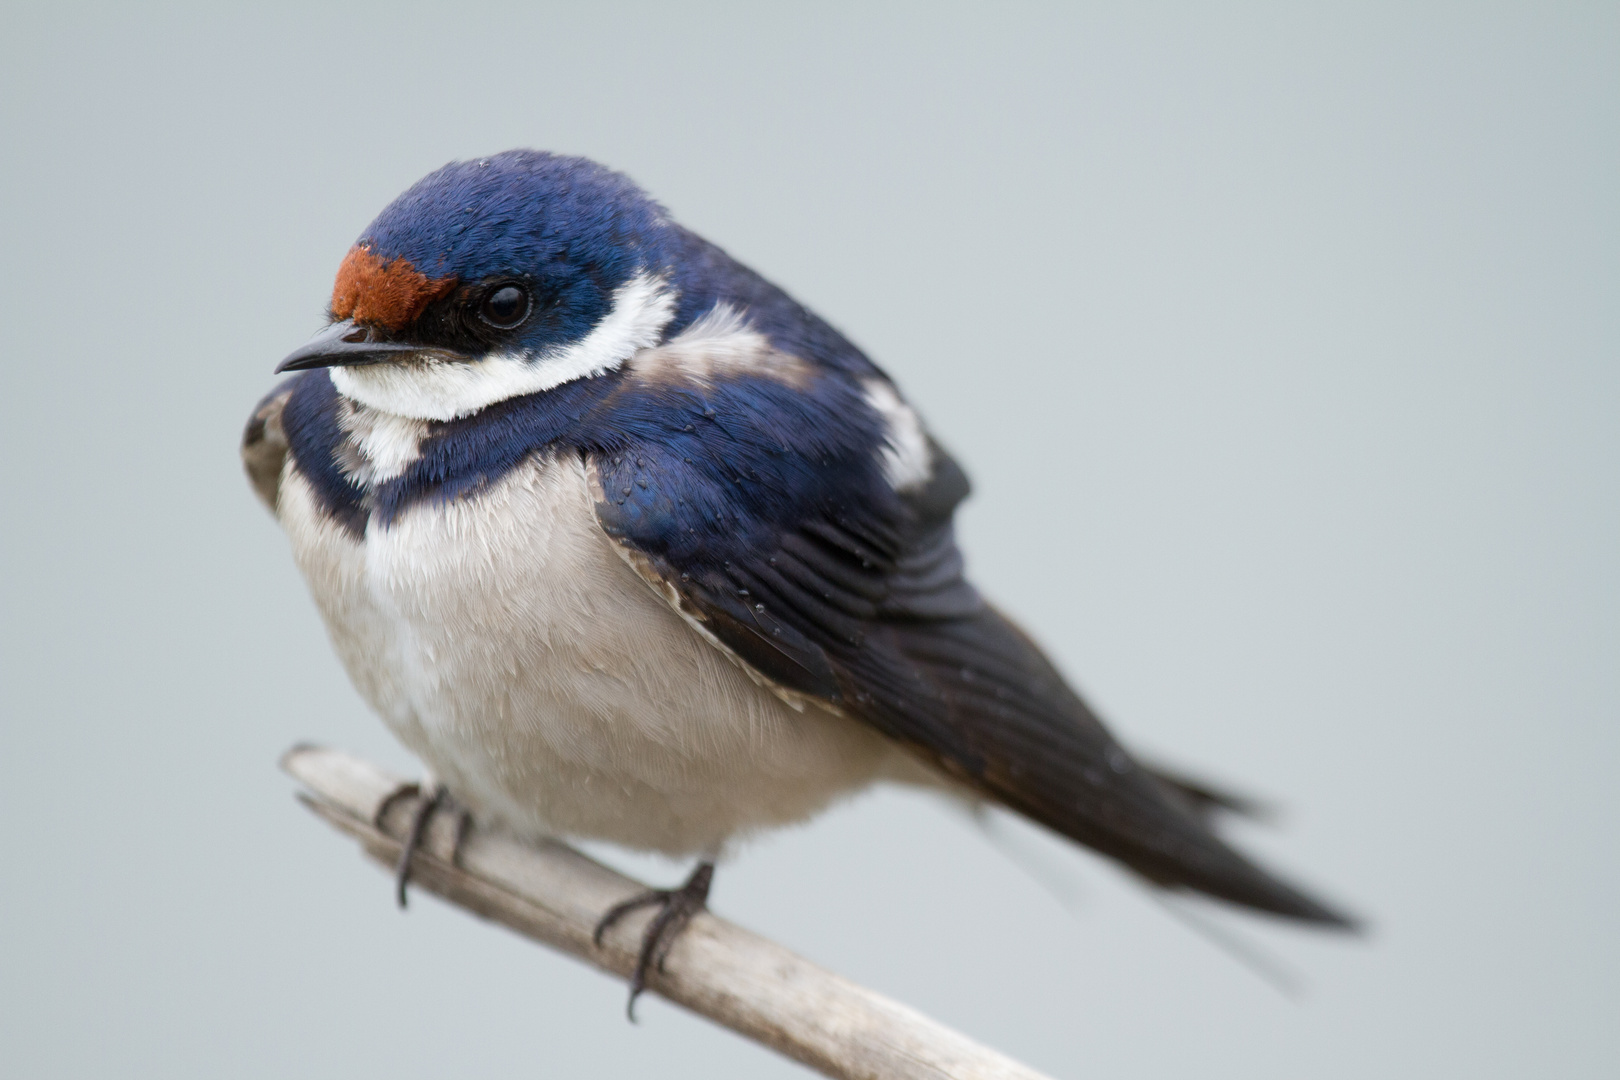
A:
(388, 294)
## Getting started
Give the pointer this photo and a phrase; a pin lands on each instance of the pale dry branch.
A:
(555, 895)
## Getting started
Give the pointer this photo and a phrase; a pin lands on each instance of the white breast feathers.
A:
(507, 643)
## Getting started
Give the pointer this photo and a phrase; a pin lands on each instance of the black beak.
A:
(344, 344)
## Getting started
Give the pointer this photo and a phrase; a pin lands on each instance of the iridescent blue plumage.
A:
(752, 464)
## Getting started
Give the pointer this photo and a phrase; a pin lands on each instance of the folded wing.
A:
(851, 594)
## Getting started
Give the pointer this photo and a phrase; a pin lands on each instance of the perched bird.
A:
(626, 544)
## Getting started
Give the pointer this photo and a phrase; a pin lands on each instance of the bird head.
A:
(493, 278)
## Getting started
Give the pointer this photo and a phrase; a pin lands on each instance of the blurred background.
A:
(1281, 344)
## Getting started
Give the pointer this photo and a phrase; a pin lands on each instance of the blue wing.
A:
(765, 507)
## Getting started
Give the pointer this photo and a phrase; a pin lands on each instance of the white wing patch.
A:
(444, 390)
(908, 463)
(720, 343)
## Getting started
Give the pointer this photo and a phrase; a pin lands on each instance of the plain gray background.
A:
(1282, 347)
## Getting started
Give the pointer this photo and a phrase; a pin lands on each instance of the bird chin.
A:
(429, 389)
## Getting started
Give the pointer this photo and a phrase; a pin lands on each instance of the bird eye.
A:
(505, 307)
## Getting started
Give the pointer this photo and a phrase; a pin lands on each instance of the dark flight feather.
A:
(761, 502)
(869, 612)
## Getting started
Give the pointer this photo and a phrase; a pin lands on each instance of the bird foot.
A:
(421, 814)
(676, 908)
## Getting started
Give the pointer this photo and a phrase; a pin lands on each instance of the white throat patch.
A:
(444, 390)
(380, 446)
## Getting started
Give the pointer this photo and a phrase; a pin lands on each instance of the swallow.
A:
(624, 543)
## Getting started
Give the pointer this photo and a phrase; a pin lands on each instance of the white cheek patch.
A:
(444, 390)
(908, 463)
(719, 344)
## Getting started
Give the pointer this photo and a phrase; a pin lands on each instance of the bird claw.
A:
(676, 908)
(421, 814)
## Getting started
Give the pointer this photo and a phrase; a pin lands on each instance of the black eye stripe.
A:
(505, 306)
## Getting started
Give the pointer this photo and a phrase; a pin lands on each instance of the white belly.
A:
(507, 644)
